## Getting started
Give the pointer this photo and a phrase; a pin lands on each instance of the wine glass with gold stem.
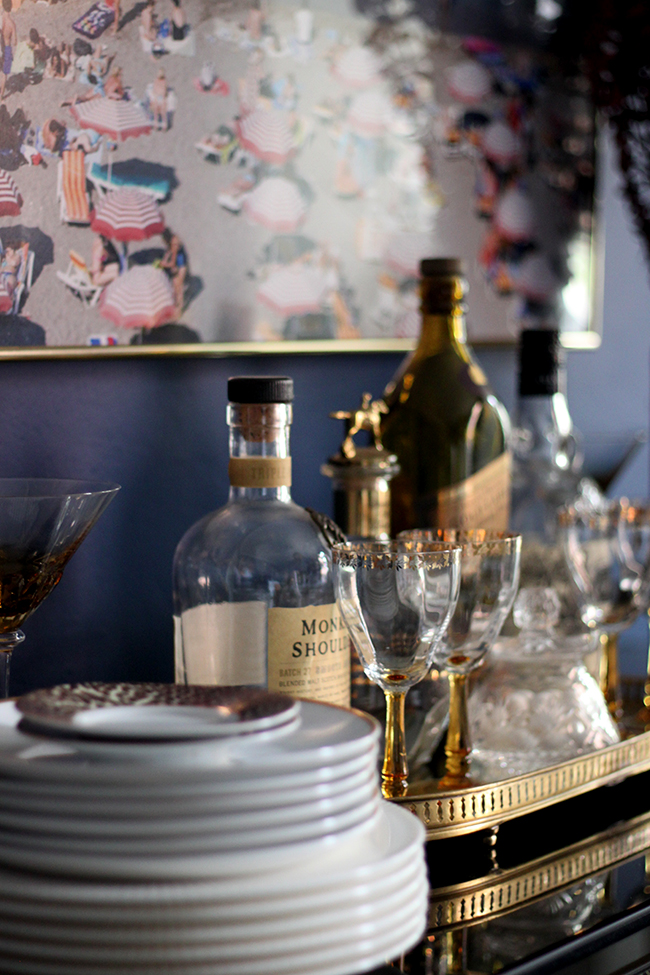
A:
(396, 605)
(488, 586)
(607, 549)
(42, 523)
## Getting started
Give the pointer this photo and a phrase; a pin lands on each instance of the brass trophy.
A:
(361, 476)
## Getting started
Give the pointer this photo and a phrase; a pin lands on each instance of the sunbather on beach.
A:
(9, 37)
(104, 261)
(40, 47)
(148, 28)
(56, 137)
(174, 263)
(179, 24)
(158, 101)
(10, 266)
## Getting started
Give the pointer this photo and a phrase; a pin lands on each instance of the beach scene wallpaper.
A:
(197, 171)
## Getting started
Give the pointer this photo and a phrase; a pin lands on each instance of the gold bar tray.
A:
(446, 813)
(502, 891)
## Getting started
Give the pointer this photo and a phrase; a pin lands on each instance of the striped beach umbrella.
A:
(142, 297)
(405, 251)
(10, 199)
(369, 113)
(266, 133)
(469, 82)
(118, 119)
(502, 145)
(294, 290)
(514, 216)
(127, 214)
(277, 204)
(358, 67)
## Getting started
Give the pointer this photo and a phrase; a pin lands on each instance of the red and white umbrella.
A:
(277, 204)
(142, 297)
(369, 113)
(358, 67)
(127, 214)
(536, 280)
(514, 216)
(294, 290)
(469, 82)
(502, 145)
(405, 251)
(267, 134)
(10, 199)
(118, 119)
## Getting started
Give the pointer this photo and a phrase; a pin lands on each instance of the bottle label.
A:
(260, 472)
(481, 501)
(222, 643)
(309, 653)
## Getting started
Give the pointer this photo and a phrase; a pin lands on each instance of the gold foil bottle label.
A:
(481, 501)
(260, 472)
(309, 653)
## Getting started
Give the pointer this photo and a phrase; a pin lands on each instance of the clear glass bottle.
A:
(253, 596)
(446, 426)
(547, 468)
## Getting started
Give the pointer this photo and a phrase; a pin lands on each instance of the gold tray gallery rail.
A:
(502, 891)
(458, 812)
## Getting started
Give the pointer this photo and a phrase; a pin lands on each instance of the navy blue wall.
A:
(157, 426)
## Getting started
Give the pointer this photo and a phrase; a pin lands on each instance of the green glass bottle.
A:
(444, 423)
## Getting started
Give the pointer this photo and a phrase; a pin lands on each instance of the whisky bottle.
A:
(444, 423)
(253, 596)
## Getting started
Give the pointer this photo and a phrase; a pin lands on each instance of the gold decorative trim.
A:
(570, 340)
(503, 891)
(457, 812)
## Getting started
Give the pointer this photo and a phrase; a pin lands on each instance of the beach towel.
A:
(95, 21)
(73, 186)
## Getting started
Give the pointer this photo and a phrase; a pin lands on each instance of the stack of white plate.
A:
(243, 836)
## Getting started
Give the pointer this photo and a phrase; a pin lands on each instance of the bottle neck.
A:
(260, 460)
(443, 316)
(545, 430)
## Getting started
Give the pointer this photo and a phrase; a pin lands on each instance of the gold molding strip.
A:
(452, 813)
(502, 891)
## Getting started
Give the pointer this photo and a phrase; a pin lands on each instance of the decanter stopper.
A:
(361, 475)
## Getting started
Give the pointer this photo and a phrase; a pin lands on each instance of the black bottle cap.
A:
(438, 267)
(540, 361)
(260, 389)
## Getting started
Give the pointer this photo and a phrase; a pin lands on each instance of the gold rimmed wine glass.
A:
(396, 605)
(42, 523)
(608, 553)
(488, 586)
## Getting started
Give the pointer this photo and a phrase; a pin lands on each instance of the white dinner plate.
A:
(252, 790)
(149, 711)
(324, 736)
(124, 862)
(150, 949)
(34, 898)
(247, 931)
(381, 845)
(168, 824)
(18, 797)
(170, 845)
(339, 960)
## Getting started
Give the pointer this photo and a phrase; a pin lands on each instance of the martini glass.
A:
(42, 523)
(396, 605)
(489, 568)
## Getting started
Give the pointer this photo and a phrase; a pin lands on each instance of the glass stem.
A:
(458, 745)
(394, 773)
(8, 641)
(609, 682)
